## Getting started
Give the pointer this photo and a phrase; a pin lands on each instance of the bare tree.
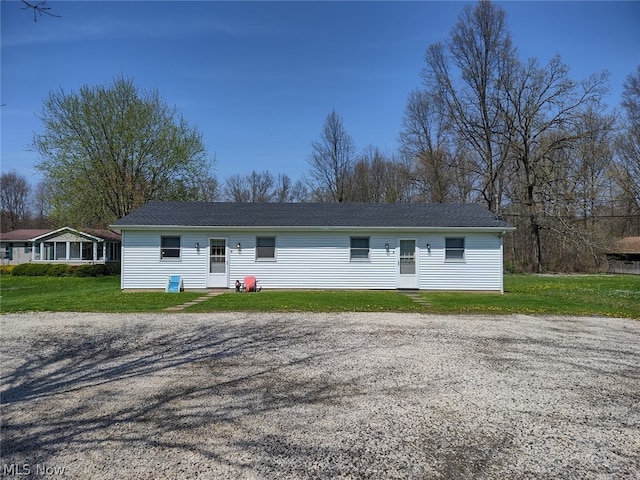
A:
(331, 162)
(236, 189)
(425, 143)
(379, 178)
(287, 191)
(262, 187)
(626, 169)
(545, 112)
(208, 189)
(465, 76)
(14, 199)
(42, 204)
(38, 8)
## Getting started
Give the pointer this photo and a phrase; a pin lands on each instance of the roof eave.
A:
(310, 228)
(55, 233)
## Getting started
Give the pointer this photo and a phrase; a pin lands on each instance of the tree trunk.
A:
(537, 244)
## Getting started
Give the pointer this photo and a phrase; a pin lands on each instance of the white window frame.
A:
(262, 258)
(359, 249)
(454, 253)
(163, 249)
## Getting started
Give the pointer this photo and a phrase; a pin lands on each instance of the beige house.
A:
(64, 245)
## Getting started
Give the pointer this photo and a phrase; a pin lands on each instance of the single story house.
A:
(64, 245)
(624, 257)
(313, 245)
(16, 246)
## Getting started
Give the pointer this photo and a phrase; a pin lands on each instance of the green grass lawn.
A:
(80, 294)
(606, 295)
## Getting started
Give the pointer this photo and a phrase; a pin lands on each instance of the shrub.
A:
(58, 270)
(30, 269)
(97, 270)
(6, 269)
(63, 270)
(113, 268)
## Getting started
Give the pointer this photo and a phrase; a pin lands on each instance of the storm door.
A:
(407, 265)
(218, 276)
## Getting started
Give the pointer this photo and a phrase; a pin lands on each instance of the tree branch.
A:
(40, 8)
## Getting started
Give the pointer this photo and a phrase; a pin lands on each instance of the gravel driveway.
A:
(266, 396)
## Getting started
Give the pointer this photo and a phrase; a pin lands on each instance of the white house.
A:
(313, 245)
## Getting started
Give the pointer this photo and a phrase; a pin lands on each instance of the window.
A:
(74, 251)
(359, 248)
(113, 252)
(48, 251)
(87, 251)
(61, 250)
(169, 247)
(265, 248)
(454, 249)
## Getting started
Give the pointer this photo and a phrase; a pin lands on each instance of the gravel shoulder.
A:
(298, 395)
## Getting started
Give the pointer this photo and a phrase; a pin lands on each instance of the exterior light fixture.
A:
(429, 247)
(238, 246)
(386, 245)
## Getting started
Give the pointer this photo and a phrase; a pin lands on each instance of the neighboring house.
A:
(624, 257)
(64, 245)
(16, 246)
(311, 245)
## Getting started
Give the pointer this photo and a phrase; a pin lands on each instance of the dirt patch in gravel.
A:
(266, 396)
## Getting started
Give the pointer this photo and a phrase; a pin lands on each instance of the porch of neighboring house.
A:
(64, 245)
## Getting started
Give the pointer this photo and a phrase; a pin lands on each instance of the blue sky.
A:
(259, 78)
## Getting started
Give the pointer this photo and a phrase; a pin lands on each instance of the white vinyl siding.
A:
(481, 269)
(320, 260)
(142, 267)
(316, 260)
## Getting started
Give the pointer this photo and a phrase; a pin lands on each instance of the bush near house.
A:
(61, 270)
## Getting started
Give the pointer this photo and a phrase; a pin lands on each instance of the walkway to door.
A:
(204, 298)
(416, 297)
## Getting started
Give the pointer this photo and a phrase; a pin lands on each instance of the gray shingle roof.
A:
(311, 215)
(22, 235)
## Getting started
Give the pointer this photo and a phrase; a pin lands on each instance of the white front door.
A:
(218, 253)
(407, 264)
